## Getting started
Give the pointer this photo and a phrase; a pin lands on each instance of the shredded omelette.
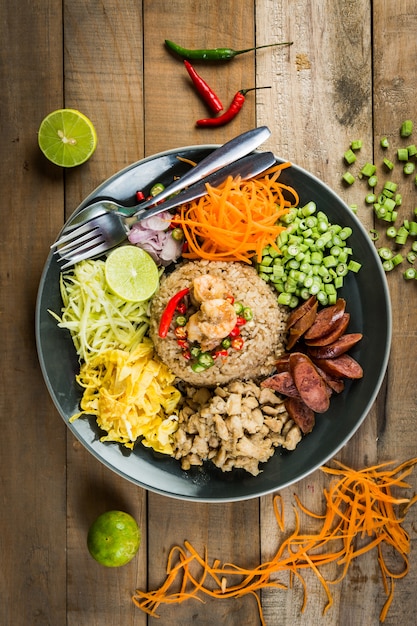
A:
(132, 396)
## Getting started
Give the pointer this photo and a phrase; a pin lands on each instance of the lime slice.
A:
(67, 137)
(132, 274)
(114, 538)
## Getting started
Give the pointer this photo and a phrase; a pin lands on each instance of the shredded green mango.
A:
(97, 319)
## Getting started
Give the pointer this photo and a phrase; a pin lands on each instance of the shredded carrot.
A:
(188, 161)
(359, 515)
(238, 219)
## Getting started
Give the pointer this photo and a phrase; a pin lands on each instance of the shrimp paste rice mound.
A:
(213, 286)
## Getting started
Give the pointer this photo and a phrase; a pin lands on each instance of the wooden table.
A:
(350, 74)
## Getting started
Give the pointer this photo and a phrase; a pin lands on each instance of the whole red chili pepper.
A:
(205, 91)
(232, 111)
(168, 314)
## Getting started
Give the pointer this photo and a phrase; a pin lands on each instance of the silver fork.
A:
(110, 228)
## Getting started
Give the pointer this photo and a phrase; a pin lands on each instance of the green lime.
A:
(132, 274)
(114, 538)
(67, 137)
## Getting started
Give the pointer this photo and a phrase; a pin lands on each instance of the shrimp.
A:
(212, 323)
(209, 287)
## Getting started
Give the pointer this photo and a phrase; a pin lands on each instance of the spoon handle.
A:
(246, 167)
(231, 151)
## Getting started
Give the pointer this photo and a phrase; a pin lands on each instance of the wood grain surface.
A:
(350, 74)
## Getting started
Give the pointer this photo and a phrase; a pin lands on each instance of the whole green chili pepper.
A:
(215, 54)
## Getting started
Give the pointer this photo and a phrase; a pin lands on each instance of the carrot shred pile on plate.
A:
(361, 513)
(238, 219)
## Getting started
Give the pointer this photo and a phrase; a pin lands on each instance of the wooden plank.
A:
(395, 83)
(171, 103)
(171, 109)
(321, 86)
(321, 100)
(324, 93)
(103, 79)
(97, 595)
(226, 531)
(32, 443)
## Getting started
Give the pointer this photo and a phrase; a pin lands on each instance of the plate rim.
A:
(195, 498)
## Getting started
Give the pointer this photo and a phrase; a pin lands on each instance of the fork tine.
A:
(90, 244)
(76, 232)
(88, 254)
(90, 238)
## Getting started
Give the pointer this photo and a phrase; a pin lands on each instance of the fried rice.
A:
(263, 336)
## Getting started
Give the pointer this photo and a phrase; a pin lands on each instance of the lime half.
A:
(114, 538)
(67, 137)
(132, 274)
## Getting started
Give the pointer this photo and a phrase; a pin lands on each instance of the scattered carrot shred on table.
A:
(361, 513)
(238, 219)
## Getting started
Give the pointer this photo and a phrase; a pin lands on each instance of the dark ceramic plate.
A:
(368, 303)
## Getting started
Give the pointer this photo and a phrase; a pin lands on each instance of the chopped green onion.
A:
(356, 144)
(373, 181)
(309, 209)
(402, 235)
(410, 274)
(397, 259)
(402, 154)
(348, 178)
(388, 164)
(284, 298)
(385, 253)
(354, 266)
(389, 204)
(391, 232)
(350, 157)
(412, 229)
(368, 170)
(406, 128)
(384, 142)
(389, 185)
(388, 265)
(409, 168)
(311, 250)
(411, 256)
